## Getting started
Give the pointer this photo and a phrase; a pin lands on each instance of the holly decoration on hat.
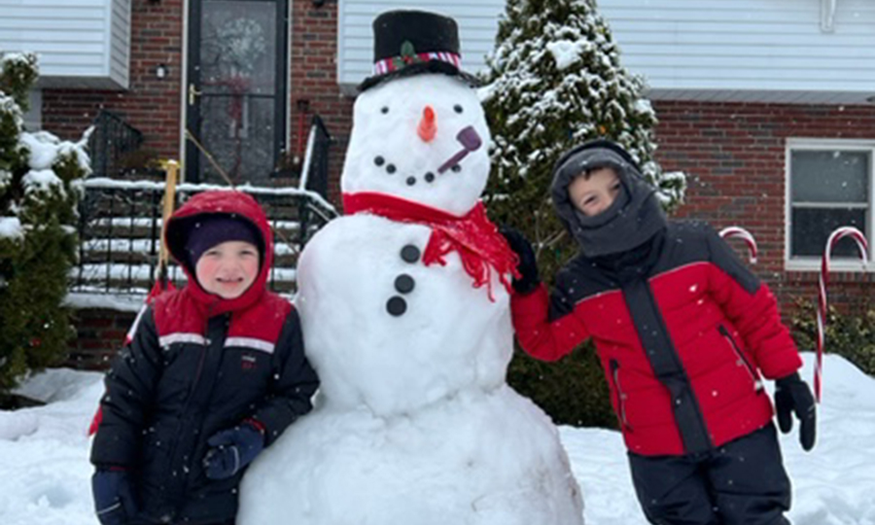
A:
(408, 55)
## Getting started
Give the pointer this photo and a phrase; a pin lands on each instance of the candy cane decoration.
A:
(823, 281)
(741, 233)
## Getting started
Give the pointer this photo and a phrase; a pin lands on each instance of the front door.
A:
(236, 92)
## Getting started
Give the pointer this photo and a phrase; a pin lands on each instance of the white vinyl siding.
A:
(120, 43)
(748, 50)
(708, 50)
(478, 23)
(80, 43)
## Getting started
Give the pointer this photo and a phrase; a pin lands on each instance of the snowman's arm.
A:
(542, 335)
(293, 385)
(130, 389)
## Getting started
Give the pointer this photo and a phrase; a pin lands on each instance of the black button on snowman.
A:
(404, 283)
(410, 253)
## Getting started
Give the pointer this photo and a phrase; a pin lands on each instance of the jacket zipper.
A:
(181, 424)
(758, 385)
(621, 396)
(203, 356)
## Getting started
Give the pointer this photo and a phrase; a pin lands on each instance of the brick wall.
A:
(314, 79)
(100, 335)
(734, 157)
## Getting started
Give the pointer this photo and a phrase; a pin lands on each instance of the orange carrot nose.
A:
(427, 125)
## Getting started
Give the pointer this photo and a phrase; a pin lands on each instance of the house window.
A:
(830, 185)
(33, 117)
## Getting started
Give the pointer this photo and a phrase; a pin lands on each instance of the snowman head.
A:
(418, 128)
(421, 138)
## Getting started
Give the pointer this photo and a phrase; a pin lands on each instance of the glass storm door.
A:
(236, 92)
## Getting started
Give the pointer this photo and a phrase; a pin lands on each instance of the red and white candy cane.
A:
(823, 281)
(741, 233)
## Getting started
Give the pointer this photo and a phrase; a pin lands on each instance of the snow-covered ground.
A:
(44, 470)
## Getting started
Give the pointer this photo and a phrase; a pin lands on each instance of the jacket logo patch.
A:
(247, 362)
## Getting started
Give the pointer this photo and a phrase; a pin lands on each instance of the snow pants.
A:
(740, 483)
(142, 522)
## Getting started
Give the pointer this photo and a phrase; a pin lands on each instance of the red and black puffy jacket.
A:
(683, 340)
(195, 364)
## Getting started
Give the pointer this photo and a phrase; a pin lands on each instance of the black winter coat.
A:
(195, 365)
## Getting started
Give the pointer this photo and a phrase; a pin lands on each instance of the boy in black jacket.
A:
(684, 333)
(211, 375)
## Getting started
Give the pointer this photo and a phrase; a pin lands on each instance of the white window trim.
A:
(183, 91)
(812, 264)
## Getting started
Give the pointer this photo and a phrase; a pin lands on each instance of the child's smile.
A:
(228, 269)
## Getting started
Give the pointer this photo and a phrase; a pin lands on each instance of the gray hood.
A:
(631, 220)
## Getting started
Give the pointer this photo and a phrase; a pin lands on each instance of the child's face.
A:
(228, 269)
(593, 194)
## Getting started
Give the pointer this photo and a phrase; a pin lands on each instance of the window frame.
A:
(809, 263)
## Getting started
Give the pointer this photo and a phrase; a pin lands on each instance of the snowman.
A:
(405, 312)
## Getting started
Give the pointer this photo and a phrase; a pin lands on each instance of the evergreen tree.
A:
(38, 198)
(555, 81)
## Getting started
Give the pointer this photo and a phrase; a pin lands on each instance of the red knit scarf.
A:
(477, 240)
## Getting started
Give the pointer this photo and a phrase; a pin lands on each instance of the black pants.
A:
(231, 522)
(141, 521)
(741, 483)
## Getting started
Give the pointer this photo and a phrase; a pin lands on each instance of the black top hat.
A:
(410, 43)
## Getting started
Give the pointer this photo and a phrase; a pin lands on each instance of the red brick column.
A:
(314, 79)
(100, 335)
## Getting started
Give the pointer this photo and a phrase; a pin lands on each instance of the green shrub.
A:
(573, 390)
(850, 336)
(38, 198)
(540, 103)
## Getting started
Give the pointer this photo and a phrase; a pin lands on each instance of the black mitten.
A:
(792, 395)
(528, 266)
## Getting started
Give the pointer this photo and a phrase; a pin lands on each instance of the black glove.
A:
(113, 497)
(232, 450)
(793, 395)
(528, 266)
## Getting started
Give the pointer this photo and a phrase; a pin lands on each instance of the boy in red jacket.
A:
(211, 375)
(684, 333)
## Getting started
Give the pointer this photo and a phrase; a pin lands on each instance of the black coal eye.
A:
(384, 110)
(458, 109)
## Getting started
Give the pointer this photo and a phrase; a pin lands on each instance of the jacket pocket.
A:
(621, 396)
(742, 359)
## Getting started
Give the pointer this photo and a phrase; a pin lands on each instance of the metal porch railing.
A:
(111, 140)
(120, 225)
